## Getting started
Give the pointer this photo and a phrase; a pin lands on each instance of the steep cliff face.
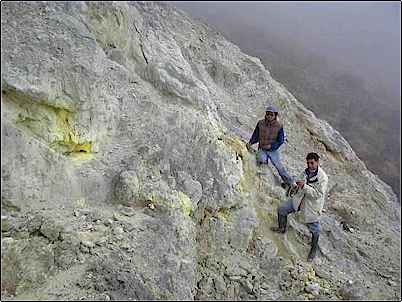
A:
(125, 173)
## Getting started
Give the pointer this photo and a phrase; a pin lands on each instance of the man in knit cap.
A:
(270, 136)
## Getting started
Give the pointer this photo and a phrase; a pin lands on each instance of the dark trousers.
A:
(286, 208)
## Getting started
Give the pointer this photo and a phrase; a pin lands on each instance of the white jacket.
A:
(312, 196)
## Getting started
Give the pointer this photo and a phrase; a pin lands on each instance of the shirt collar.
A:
(311, 174)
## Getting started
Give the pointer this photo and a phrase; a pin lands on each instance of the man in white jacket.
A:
(307, 194)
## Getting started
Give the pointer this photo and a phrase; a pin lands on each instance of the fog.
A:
(363, 38)
(340, 59)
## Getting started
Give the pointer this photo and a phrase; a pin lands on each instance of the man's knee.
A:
(280, 168)
(277, 164)
(274, 157)
(284, 209)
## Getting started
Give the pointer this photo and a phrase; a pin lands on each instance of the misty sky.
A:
(359, 37)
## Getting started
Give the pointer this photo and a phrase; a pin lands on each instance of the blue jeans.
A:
(286, 208)
(262, 158)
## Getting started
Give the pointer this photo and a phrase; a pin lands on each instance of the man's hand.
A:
(300, 184)
(268, 147)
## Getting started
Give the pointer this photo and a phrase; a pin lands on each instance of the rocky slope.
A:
(125, 173)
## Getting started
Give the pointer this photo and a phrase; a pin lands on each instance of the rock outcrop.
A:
(125, 173)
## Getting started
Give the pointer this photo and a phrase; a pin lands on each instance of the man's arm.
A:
(279, 141)
(254, 138)
(318, 190)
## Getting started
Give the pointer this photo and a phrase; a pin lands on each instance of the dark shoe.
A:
(282, 221)
(285, 185)
(314, 247)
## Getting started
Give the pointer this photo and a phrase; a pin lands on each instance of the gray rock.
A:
(85, 249)
(67, 250)
(108, 222)
(248, 285)
(265, 248)
(6, 223)
(244, 221)
(313, 288)
(88, 244)
(353, 291)
(118, 230)
(190, 186)
(128, 212)
(50, 229)
(25, 263)
(34, 223)
(127, 188)
(220, 284)
(136, 104)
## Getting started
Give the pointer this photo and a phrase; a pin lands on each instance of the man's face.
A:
(312, 165)
(269, 116)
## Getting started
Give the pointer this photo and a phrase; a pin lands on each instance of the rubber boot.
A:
(282, 221)
(314, 247)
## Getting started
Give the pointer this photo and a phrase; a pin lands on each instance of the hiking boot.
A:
(281, 228)
(314, 247)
